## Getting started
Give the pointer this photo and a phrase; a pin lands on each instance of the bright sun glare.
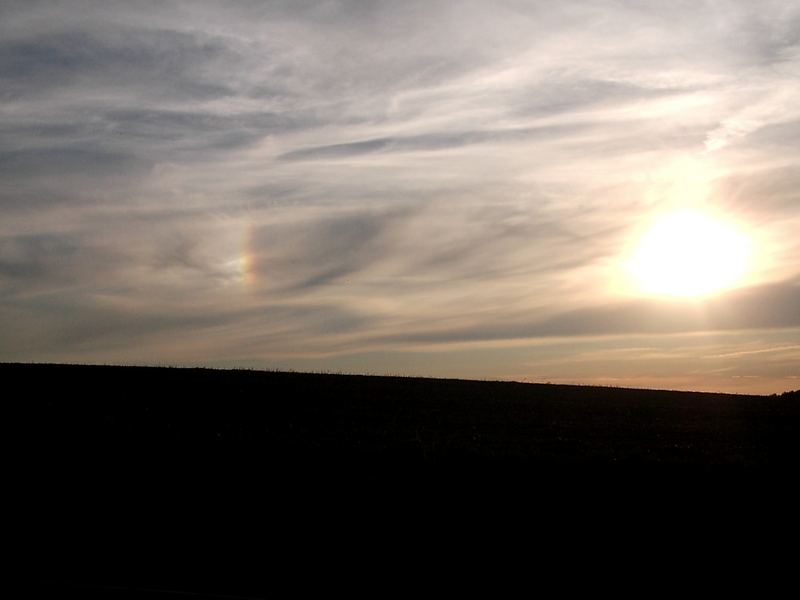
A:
(689, 253)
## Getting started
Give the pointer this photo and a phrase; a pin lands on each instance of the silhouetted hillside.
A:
(281, 418)
(195, 479)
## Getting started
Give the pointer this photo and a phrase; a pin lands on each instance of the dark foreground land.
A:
(143, 479)
(285, 420)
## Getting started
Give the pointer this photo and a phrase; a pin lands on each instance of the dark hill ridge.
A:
(226, 482)
(283, 418)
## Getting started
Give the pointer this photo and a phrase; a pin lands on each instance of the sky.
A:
(436, 188)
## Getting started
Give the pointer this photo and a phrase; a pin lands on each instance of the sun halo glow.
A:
(687, 254)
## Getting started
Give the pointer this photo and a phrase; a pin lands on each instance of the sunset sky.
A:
(599, 191)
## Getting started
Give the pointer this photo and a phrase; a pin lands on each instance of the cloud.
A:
(427, 142)
(32, 265)
(159, 63)
(325, 178)
(64, 161)
(307, 254)
(765, 307)
(34, 257)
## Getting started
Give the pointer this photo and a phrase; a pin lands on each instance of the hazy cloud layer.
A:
(257, 182)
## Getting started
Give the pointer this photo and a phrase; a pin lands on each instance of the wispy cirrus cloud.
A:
(242, 181)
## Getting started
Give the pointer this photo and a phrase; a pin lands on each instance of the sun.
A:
(689, 253)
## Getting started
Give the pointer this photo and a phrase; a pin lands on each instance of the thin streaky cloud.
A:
(257, 182)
